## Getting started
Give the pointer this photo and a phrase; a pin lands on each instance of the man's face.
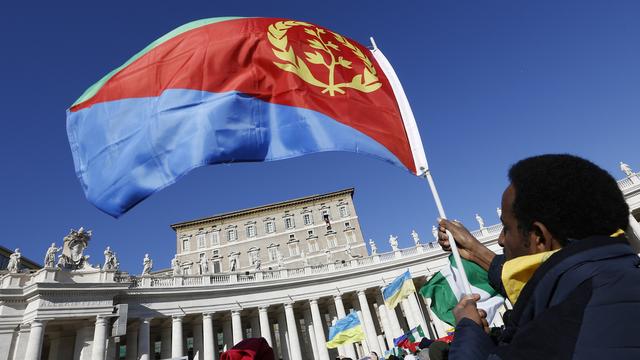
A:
(514, 242)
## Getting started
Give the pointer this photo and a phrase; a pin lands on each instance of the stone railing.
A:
(163, 281)
(629, 182)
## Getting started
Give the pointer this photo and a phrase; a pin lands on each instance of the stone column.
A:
(20, 345)
(236, 324)
(284, 337)
(165, 340)
(144, 340)
(393, 321)
(321, 340)
(83, 342)
(311, 332)
(412, 320)
(633, 233)
(227, 334)
(99, 339)
(254, 322)
(415, 306)
(265, 328)
(177, 347)
(348, 349)
(207, 334)
(36, 336)
(198, 352)
(292, 329)
(386, 325)
(54, 345)
(370, 328)
(132, 342)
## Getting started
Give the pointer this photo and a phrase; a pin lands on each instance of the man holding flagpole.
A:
(567, 268)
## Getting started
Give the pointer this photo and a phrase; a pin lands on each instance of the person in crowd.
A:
(567, 268)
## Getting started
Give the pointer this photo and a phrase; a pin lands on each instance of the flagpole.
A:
(417, 150)
(452, 242)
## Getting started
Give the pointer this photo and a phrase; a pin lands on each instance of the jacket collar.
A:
(541, 292)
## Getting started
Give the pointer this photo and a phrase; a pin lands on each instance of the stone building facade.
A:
(311, 230)
(103, 313)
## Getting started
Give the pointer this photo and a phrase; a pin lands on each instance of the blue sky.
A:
(490, 83)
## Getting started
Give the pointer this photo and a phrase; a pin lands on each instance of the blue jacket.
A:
(582, 303)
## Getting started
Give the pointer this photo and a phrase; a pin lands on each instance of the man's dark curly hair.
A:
(571, 196)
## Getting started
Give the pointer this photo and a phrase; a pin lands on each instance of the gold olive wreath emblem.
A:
(277, 33)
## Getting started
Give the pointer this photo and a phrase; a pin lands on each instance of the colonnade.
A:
(296, 329)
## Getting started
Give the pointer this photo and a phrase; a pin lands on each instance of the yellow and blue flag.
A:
(346, 331)
(398, 290)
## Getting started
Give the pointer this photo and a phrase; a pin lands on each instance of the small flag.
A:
(398, 290)
(444, 291)
(346, 331)
(411, 339)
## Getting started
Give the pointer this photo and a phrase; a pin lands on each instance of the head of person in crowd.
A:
(556, 199)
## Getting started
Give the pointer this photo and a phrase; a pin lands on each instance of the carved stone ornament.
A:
(73, 257)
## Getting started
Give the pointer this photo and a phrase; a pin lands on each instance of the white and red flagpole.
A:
(419, 155)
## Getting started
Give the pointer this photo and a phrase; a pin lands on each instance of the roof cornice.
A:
(272, 206)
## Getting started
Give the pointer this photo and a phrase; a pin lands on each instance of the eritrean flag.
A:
(399, 289)
(345, 331)
(225, 90)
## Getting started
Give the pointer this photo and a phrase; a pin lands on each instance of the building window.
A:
(325, 215)
(254, 254)
(310, 233)
(270, 227)
(313, 245)
(294, 250)
(215, 253)
(289, 223)
(232, 235)
(343, 211)
(292, 236)
(307, 219)
(331, 241)
(186, 270)
(351, 237)
(251, 231)
(273, 253)
(200, 241)
(215, 238)
(216, 266)
(347, 225)
(185, 245)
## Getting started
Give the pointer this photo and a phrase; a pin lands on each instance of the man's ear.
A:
(541, 238)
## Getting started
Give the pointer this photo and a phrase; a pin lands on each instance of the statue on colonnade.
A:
(415, 237)
(50, 256)
(147, 265)
(14, 261)
(175, 266)
(374, 248)
(626, 169)
(110, 260)
(393, 241)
